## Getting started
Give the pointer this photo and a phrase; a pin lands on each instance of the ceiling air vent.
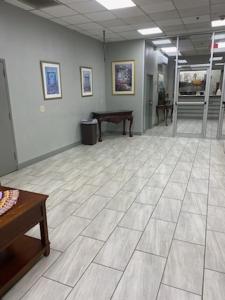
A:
(39, 4)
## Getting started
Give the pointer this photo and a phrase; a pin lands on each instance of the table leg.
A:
(44, 232)
(130, 127)
(124, 127)
(166, 111)
(100, 131)
(157, 114)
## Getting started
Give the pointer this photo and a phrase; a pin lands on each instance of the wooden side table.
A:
(18, 252)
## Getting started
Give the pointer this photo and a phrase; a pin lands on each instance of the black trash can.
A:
(89, 132)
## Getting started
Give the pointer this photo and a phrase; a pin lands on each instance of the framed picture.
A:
(123, 77)
(86, 81)
(51, 80)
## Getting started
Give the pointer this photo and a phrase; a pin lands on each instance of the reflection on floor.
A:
(137, 218)
(185, 127)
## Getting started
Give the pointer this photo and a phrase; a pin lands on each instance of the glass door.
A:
(218, 80)
(193, 76)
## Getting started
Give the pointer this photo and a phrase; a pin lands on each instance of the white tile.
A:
(157, 237)
(215, 256)
(216, 218)
(122, 201)
(149, 195)
(214, 285)
(167, 210)
(137, 216)
(184, 268)
(195, 203)
(47, 289)
(102, 226)
(63, 235)
(98, 283)
(92, 207)
(60, 213)
(170, 293)
(191, 228)
(175, 190)
(109, 189)
(198, 186)
(119, 248)
(74, 261)
(141, 279)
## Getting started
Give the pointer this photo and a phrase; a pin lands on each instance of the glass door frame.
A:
(208, 68)
(204, 102)
(222, 109)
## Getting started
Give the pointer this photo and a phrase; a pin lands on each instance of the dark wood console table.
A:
(114, 117)
(18, 252)
(165, 108)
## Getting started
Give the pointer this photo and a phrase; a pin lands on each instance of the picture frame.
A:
(51, 80)
(123, 77)
(86, 76)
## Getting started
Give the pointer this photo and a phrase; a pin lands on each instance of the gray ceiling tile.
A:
(158, 7)
(86, 6)
(128, 12)
(19, 4)
(101, 16)
(41, 14)
(197, 11)
(183, 4)
(76, 19)
(112, 23)
(59, 11)
(172, 14)
(138, 20)
(169, 22)
(194, 20)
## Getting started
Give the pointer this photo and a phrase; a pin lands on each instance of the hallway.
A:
(141, 217)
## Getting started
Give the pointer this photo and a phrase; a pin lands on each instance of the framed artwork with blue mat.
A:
(51, 80)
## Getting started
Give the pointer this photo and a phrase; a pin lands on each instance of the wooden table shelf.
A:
(18, 252)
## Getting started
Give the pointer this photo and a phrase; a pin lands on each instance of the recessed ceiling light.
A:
(161, 42)
(116, 4)
(218, 23)
(147, 31)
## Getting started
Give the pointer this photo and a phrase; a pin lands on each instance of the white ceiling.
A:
(174, 17)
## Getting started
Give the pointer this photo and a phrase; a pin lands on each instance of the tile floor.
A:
(139, 218)
(187, 127)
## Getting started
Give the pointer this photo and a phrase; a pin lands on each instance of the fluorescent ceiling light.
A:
(220, 36)
(147, 31)
(219, 64)
(169, 49)
(161, 42)
(221, 45)
(182, 61)
(218, 23)
(217, 58)
(116, 4)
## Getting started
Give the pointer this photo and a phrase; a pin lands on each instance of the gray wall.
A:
(129, 50)
(25, 39)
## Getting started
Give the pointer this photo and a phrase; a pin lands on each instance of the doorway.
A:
(8, 160)
(148, 102)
